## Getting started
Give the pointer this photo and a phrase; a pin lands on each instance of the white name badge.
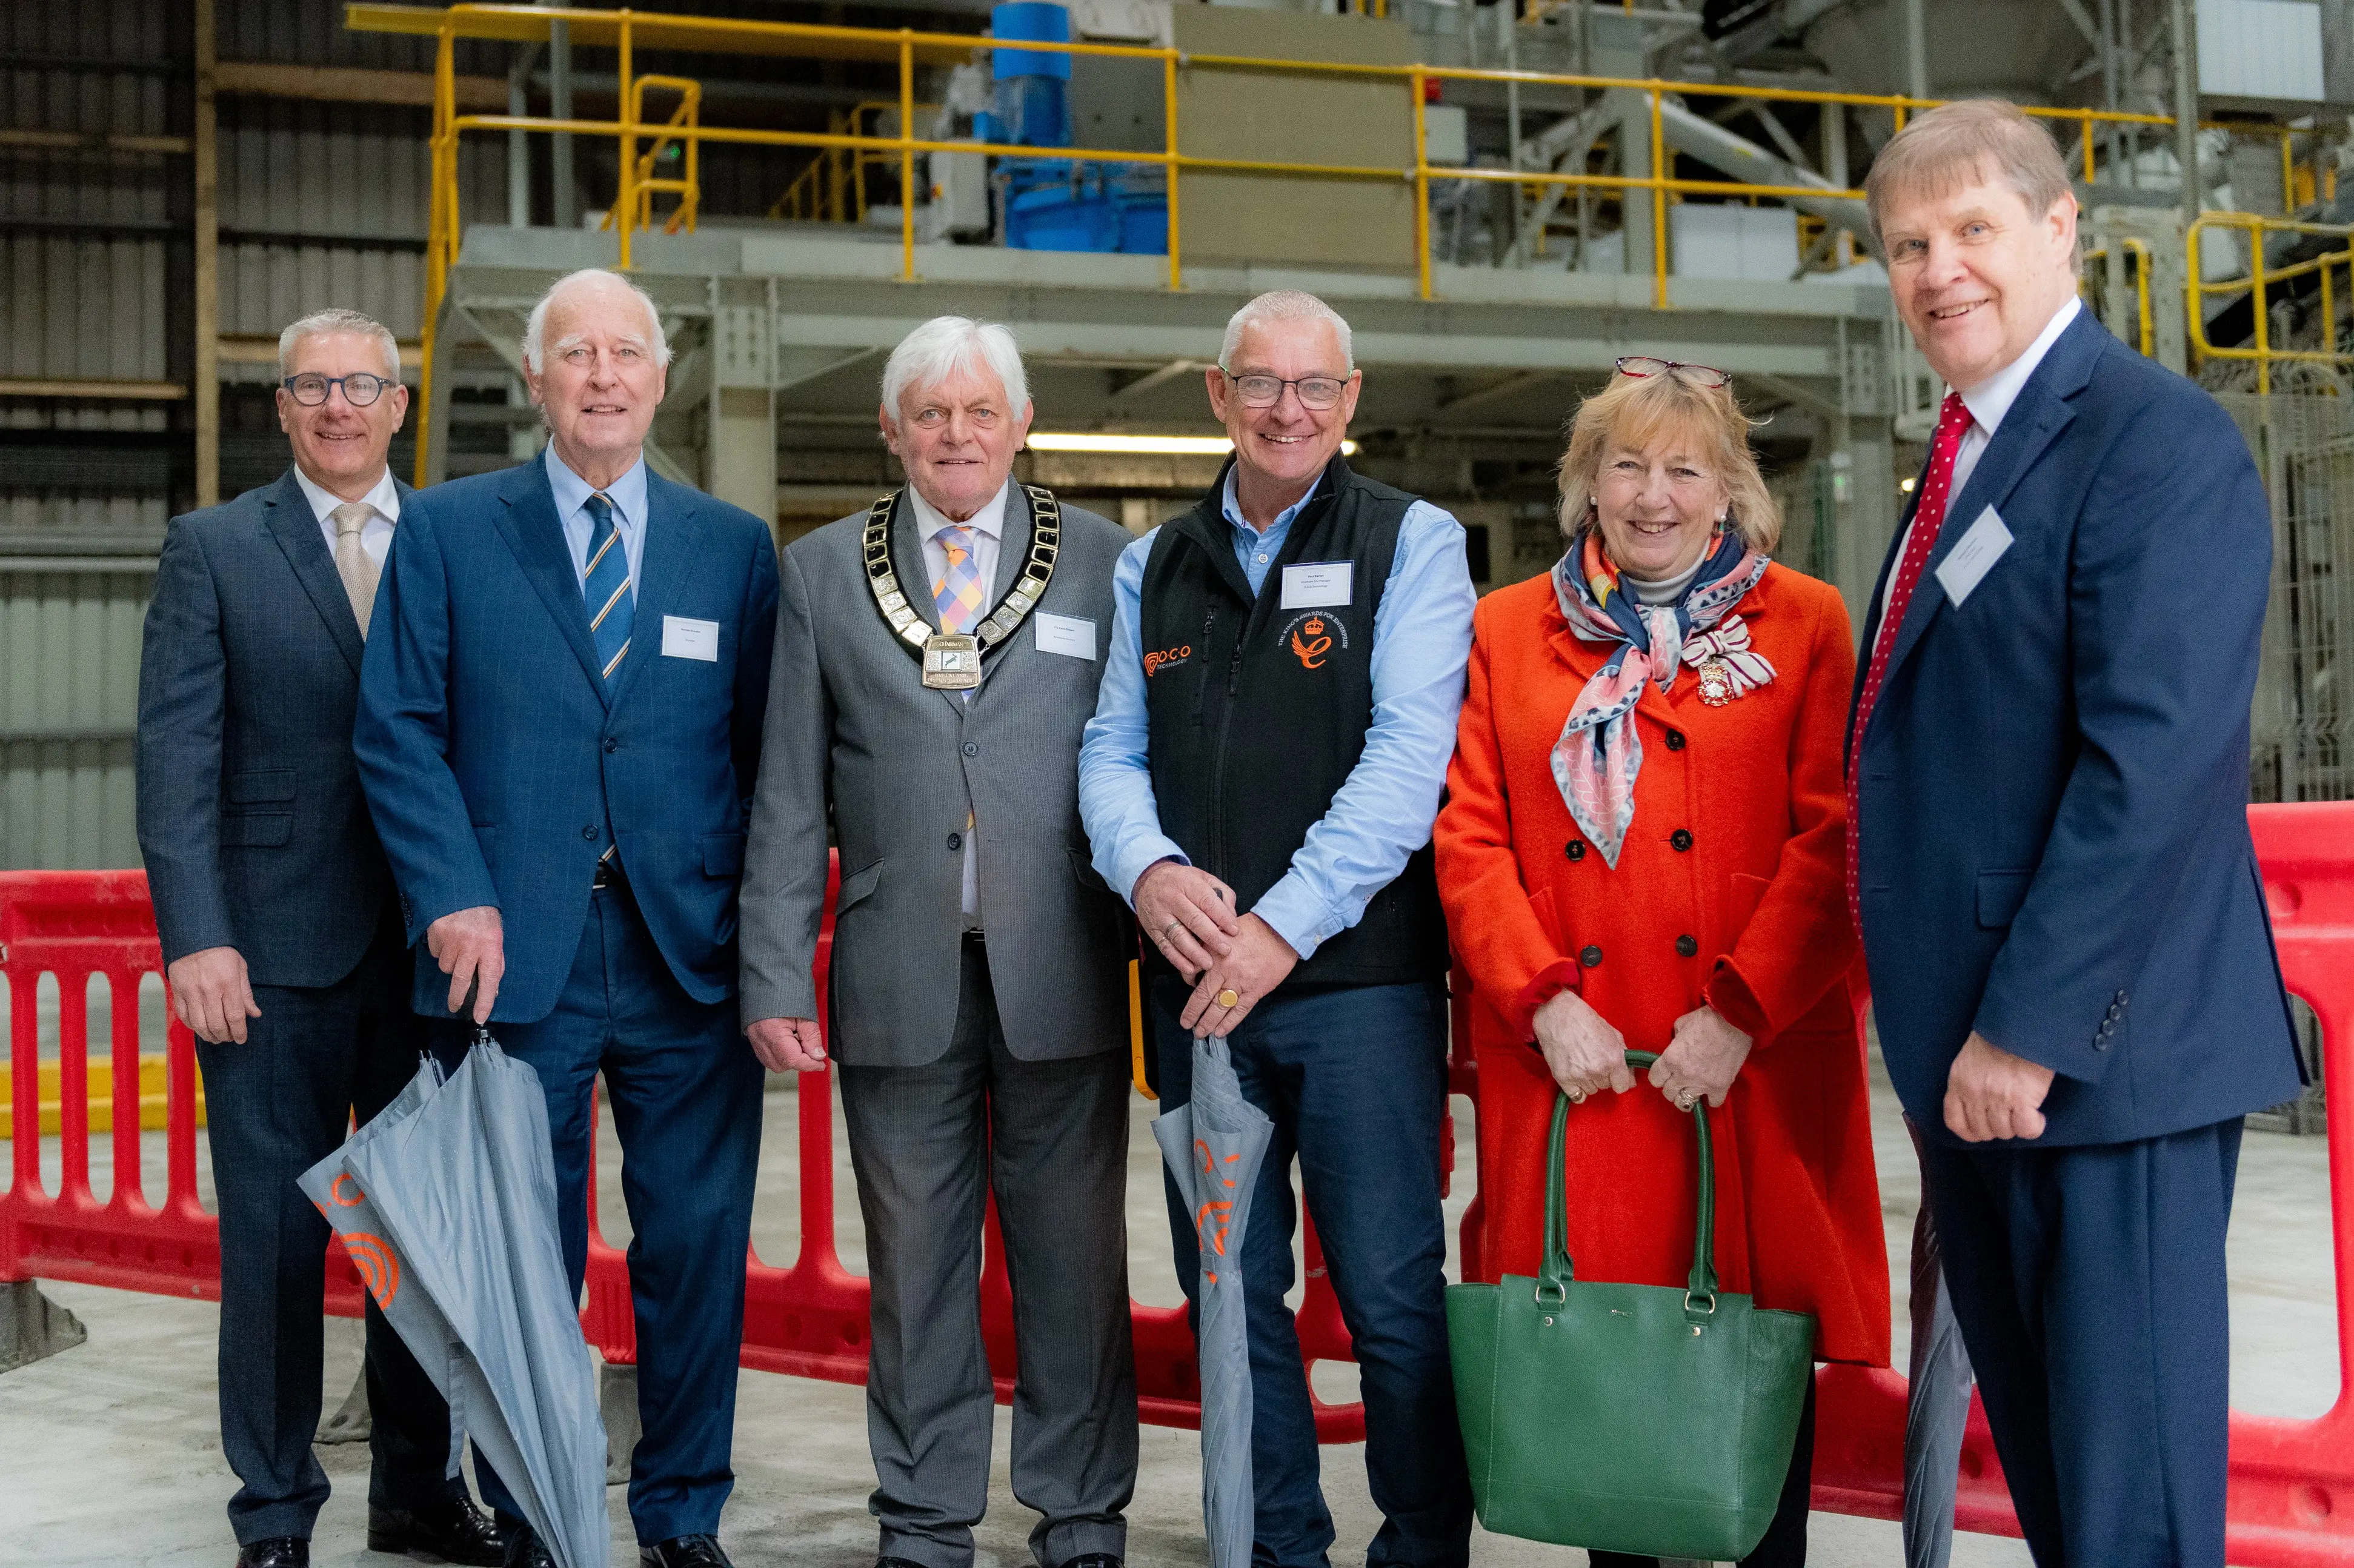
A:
(1970, 560)
(1316, 585)
(685, 639)
(1073, 636)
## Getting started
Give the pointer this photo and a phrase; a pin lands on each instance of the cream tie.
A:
(352, 563)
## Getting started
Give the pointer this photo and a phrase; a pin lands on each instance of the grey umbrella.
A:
(1937, 1399)
(1212, 1147)
(447, 1204)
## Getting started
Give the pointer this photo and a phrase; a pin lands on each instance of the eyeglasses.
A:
(1317, 392)
(359, 390)
(1639, 366)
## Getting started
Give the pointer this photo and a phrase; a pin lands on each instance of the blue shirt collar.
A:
(1275, 529)
(628, 493)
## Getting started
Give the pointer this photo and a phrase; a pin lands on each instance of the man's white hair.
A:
(946, 344)
(534, 327)
(1283, 305)
(319, 322)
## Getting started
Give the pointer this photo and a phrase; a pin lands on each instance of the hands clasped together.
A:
(1233, 961)
(1586, 1055)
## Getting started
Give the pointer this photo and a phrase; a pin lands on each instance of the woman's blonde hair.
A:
(1639, 413)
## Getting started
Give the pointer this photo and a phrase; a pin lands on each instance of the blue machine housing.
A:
(1061, 203)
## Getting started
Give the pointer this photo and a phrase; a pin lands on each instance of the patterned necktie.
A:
(606, 585)
(1929, 518)
(958, 595)
(352, 563)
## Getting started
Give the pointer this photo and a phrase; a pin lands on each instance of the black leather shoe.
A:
(685, 1551)
(278, 1552)
(524, 1550)
(1095, 1560)
(449, 1529)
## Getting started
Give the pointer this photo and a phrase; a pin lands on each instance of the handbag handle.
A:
(1555, 1271)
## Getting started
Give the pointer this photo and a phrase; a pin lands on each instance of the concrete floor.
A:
(113, 1455)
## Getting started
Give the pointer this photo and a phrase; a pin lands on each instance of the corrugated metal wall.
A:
(69, 642)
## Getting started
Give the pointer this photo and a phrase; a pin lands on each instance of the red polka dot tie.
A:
(1928, 519)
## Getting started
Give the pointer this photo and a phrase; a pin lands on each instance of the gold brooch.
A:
(1715, 682)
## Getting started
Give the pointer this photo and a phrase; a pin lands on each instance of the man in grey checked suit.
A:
(281, 935)
(978, 1003)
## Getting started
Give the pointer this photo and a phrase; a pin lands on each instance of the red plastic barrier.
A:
(2292, 1498)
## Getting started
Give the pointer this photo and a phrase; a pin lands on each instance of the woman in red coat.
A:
(1644, 846)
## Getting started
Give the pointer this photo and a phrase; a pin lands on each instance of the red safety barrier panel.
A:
(2292, 1497)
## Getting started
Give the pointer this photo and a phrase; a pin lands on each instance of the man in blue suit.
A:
(2048, 770)
(558, 729)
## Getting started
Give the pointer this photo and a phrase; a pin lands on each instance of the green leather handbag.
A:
(1635, 1418)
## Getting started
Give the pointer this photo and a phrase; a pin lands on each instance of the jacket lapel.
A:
(528, 523)
(296, 529)
(2043, 409)
(672, 539)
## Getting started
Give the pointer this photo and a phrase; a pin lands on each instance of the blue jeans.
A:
(1355, 1078)
(684, 1089)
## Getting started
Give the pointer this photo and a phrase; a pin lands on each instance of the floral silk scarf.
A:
(1599, 753)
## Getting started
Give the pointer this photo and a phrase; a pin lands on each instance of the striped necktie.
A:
(958, 595)
(606, 585)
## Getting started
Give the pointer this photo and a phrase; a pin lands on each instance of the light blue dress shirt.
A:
(628, 495)
(1422, 645)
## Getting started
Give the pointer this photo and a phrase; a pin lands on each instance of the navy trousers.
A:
(1355, 1078)
(274, 1106)
(2090, 1286)
(684, 1089)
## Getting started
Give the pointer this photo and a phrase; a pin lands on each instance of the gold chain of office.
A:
(951, 660)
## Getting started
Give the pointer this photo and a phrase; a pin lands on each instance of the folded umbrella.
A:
(447, 1204)
(1212, 1147)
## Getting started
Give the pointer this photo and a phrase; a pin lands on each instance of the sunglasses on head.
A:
(1639, 367)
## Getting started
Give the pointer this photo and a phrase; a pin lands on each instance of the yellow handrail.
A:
(2197, 288)
(2140, 251)
(624, 31)
(645, 185)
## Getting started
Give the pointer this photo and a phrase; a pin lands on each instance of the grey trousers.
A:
(929, 1144)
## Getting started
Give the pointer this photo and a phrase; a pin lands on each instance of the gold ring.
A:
(1228, 997)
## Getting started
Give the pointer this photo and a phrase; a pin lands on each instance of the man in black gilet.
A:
(1259, 781)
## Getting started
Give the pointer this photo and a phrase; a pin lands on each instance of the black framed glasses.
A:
(361, 390)
(1317, 392)
(1639, 366)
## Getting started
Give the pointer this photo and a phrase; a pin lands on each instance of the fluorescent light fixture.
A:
(1156, 445)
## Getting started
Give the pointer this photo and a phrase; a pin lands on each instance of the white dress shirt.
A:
(628, 495)
(1987, 402)
(988, 525)
(375, 533)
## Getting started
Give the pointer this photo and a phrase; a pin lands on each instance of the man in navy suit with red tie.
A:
(2049, 856)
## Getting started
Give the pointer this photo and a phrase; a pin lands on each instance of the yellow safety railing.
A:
(626, 31)
(2260, 348)
(676, 133)
(2137, 259)
(832, 188)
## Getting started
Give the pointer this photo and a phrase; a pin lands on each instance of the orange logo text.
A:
(1155, 663)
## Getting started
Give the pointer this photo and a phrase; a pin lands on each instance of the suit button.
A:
(956, 840)
(2100, 1042)
(972, 748)
(1675, 740)
(1577, 849)
(612, 747)
(590, 833)
(1681, 838)
(1589, 957)
(1686, 946)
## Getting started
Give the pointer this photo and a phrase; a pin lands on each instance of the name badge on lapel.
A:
(1317, 585)
(1073, 636)
(1960, 572)
(686, 639)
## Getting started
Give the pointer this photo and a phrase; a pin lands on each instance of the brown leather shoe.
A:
(449, 1529)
